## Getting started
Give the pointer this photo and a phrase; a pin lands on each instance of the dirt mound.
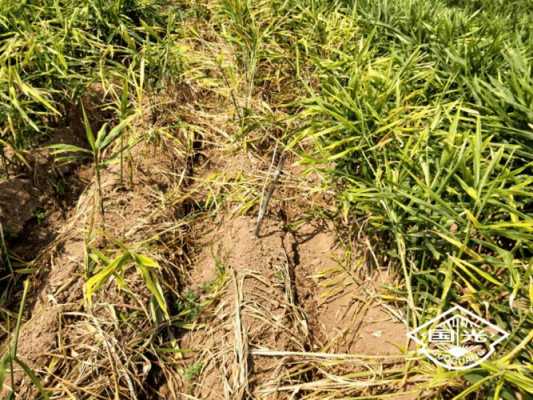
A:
(255, 311)
(61, 332)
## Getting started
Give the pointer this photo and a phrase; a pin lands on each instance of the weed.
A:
(193, 371)
(10, 358)
(117, 266)
(188, 307)
(40, 215)
(98, 144)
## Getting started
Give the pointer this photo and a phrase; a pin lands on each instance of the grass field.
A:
(405, 125)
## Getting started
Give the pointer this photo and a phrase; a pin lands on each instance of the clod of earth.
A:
(18, 202)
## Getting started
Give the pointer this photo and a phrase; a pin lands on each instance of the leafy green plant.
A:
(193, 371)
(53, 51)
(117, 266)
(189, 307)
(428, 145)
(98, 144)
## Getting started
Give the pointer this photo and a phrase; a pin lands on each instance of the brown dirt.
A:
(257, 280)
(45, 188)
(18, 202)
(294, 289)
(344, 305)
(34, 210)
(281, 310)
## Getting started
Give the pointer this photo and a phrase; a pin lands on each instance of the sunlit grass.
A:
(52, 51)
(426, 118)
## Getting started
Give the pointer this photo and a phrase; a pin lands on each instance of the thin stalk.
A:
(100, 192)
(266, 195)
(17, 333)
(130, 166)
(122, 159)
(4, 250)
(232, 95)
(4, 162)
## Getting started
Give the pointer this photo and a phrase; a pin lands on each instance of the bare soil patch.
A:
(348, 316)
(285, 292)
(255, 311)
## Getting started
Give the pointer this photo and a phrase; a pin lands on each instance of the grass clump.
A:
(52, 51)
(424, 120)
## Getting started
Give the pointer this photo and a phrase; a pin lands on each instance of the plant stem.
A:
(100, 193)
(121, 159)
(17, 332)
